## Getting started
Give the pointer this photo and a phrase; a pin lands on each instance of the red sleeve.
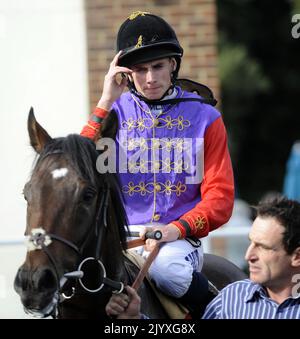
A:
(217, 187)
(92, 128)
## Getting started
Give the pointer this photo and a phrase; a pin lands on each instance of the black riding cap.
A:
(145, 37)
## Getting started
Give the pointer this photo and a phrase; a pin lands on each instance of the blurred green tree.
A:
(259, 72)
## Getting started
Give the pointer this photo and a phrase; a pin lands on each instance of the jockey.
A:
(171, 152)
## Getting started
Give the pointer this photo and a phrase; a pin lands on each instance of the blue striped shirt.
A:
(247, 300)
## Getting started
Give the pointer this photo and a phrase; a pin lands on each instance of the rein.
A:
(143, 271)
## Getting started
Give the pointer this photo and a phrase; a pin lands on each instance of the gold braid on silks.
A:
(200, 223)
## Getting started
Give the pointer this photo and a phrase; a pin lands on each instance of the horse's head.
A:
(68, 209)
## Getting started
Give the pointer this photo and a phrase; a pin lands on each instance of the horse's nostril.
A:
(46, 280)
(21, 281)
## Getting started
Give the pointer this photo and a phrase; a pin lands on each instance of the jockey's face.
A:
(152, 79)
(269, 263)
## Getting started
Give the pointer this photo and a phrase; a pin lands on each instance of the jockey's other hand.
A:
(124, 306)
(169, 232)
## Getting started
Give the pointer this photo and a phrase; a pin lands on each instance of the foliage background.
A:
(259, 71)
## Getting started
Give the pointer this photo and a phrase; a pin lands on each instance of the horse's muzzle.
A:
(37, 289)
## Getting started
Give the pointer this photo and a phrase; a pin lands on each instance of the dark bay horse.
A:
(76, 230)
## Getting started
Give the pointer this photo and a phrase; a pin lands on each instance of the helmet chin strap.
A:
(206, 95)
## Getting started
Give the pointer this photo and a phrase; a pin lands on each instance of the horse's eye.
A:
(88, 195)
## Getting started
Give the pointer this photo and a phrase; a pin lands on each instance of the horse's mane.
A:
(82, 153)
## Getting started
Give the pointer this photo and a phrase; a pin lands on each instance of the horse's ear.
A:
(38, 136)
(109, 127)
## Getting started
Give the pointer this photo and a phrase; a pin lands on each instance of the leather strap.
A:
(142, 273)
(135, 243)
(209, 101)
(206, 94)
(140, 277)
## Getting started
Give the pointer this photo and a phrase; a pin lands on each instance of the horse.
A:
(76, 235)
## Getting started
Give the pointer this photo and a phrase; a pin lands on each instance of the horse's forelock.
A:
(80, 151)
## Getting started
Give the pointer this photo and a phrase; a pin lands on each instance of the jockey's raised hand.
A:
(169, 232)
(124, 306)
(113, 85)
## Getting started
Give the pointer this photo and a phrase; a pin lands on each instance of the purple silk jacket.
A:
(160, 157)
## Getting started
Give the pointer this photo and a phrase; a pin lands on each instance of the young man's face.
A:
(269, 264)
(152, 79)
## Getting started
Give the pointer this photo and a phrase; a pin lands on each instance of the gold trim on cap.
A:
(135, 14)
(140, 42)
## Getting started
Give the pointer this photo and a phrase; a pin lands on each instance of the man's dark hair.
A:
(287, 213)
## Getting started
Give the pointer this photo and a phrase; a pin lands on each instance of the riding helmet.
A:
(145, 37)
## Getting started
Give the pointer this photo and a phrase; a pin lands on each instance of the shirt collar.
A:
(255, 290)
(159, 108)
(258, 291)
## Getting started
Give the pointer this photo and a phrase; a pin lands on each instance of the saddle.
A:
(172, 307)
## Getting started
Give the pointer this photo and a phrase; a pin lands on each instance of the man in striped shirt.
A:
(273, 290)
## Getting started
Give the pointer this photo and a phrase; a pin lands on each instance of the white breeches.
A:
(174, 265)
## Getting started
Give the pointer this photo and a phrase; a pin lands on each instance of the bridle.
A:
(39, 239)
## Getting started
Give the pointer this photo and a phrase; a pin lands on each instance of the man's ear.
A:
(296, 257)
(110, 125)
(174, 64)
